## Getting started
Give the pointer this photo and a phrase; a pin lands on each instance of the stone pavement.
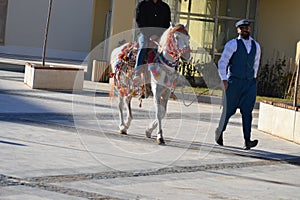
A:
(64, 145)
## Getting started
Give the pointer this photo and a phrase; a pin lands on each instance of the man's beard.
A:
(245, 35)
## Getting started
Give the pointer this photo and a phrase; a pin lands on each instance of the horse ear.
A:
(186, 27)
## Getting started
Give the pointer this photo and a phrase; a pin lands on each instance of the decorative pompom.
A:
(111, 74)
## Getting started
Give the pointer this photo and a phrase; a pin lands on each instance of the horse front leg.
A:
(160, 96)
(150, 129)
(160, 112)
(154, 124)
(122, 126)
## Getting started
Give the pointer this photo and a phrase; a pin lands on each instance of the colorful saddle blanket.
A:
(163, 71)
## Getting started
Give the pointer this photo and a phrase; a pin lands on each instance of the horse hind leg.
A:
(122, 127)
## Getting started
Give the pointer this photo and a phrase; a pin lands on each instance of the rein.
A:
(196, 98)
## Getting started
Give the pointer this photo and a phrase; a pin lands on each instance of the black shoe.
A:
(250, 144)
(219, 137)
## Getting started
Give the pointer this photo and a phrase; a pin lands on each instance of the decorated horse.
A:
(161, 73)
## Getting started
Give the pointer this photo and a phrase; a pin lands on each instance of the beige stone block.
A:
(100, 71)
(297, 128)
(279, 121)
(265, 117)
(53, 77)
(283, 123)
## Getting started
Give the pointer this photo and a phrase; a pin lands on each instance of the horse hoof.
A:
(122, 132)
(160, 141)
(148, 134)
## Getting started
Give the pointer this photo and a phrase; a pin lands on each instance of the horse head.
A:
(175, 43)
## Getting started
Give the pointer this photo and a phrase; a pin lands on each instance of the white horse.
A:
(173, 45)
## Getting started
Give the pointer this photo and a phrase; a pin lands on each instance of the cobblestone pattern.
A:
(44, 182)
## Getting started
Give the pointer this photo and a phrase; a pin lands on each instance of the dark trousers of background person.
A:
(241, 93)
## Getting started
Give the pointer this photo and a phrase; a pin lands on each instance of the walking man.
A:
(238, 68)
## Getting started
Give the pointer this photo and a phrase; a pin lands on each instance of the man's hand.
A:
(153, 43)
(225, 84)
(153, 38)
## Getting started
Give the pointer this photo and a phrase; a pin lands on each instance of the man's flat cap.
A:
(242, 22)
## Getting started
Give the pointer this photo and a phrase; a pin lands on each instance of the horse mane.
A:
(164, 37)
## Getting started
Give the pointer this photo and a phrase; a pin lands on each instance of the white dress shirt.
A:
(229, 49)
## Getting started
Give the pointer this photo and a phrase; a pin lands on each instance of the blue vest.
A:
(241, 63)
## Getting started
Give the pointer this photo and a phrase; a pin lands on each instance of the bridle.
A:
(173, 50)
(171, 45)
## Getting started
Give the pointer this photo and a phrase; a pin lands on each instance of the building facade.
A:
(81, 29)
(23, 28)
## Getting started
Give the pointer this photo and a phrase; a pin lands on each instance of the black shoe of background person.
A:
(219, 137)
(250, 144)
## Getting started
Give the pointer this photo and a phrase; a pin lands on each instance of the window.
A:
(233, 8)
(211, 22)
